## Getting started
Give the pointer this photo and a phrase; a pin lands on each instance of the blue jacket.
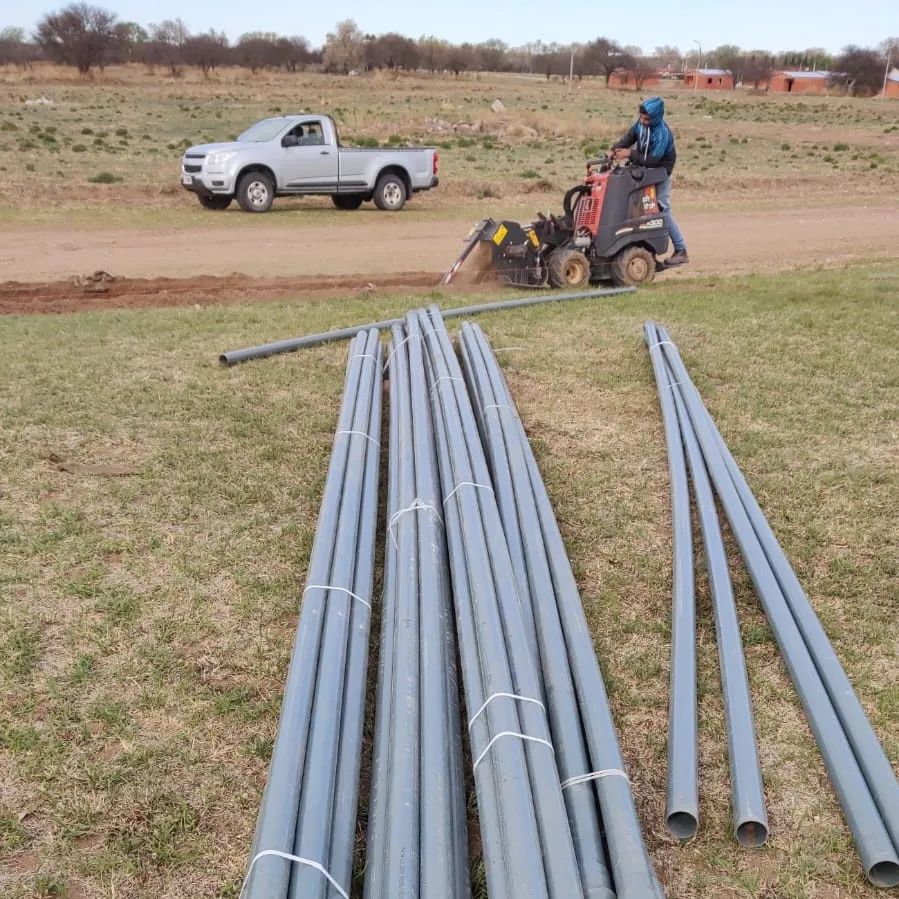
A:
(653, 146)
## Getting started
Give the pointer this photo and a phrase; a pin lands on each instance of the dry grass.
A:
(147, 618)
(134, 123)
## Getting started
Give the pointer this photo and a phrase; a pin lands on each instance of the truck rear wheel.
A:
(390, 192)
(346, 201)
(633, 266)
(568, 268)
(255, 192)
(214, 202)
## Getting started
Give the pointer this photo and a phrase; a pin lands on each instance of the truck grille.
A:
(192, 168)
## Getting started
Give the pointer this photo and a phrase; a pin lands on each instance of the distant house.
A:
(892, 88)
(787, 82)
(708, 79)
(626, 79)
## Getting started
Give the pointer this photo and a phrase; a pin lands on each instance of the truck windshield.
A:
(267, 129)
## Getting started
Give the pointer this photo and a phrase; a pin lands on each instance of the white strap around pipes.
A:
(594, 775)
(300, 861)
(417, 505)
(361, 434)
(449, 495)
(652, 346)
(363, 356)
(443, 378)
(364, 602)
(510, 733)
(493, 696)
(406, 339)
(496, 406)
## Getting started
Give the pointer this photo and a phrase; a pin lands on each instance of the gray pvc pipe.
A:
(747, 790)
(631, 867)
(878, 855)
(269, 875)
(232, 357)
(317, 794)
(518, 511)
(682, 804)
(873, 761)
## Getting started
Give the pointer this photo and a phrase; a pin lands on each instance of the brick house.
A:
(708, 79)
(892, 88)
(788, 82)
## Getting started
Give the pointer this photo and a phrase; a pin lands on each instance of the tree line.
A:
(89, 37)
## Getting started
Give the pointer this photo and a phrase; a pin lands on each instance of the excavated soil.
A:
(68, 270)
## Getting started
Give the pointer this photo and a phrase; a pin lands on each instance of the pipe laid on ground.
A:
(747, 790)
(532, 854)
(682, 802)
(878, 854)
(559, 599)
(873, 760)
(303, 778)
(232, 357)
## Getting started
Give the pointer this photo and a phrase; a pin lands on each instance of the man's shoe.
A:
(679, 258)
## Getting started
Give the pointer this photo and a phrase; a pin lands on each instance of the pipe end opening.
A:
(682, 825)
(884, 874)
(752, 834)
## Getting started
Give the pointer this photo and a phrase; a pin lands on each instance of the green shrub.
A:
(104, 178)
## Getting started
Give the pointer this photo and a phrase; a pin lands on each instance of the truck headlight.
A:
(217, 159)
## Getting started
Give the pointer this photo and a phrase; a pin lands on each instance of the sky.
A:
(758, 25)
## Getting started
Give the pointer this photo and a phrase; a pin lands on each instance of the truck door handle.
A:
(325, 153)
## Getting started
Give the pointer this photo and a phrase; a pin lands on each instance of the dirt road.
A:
(252, 258)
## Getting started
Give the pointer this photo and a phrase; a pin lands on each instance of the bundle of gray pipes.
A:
(487, 679)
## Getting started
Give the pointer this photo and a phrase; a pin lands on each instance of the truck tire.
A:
(569, 269)
(633, 266)
(390, 192)
(214, 202)
(346, 201)
(255, 192)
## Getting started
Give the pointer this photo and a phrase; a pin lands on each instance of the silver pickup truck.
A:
(301, 154)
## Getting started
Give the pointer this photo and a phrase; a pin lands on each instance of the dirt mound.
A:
(101, 290)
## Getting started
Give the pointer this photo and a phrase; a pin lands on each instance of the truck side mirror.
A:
(290, 140)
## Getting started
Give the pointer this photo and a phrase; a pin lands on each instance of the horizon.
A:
(767, 25)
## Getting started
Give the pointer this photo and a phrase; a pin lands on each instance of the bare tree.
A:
(206, 51)
(258, 50)
(758, 68)
(432, 53)
(859, 70)
(391, 51)
(78, 35)
(294, 53)
(602, 57)
(344, 49)
(460, 59)
(15, 49)
(643, 69)
(491, 55)
(166, 45)
(669, 57)
(731, 58)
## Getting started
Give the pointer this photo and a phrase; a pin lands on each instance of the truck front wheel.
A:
(255, 192)
(390, 193)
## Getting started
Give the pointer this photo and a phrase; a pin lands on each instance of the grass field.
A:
(157, 518)
(115, 141)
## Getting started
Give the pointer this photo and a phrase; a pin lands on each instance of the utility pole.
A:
(886, 73)
(698, 67)
(571, 68)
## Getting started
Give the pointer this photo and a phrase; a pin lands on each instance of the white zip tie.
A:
(361, 434)
(675, 383)
(299, 860)
(510, 733)
(654, 345)
(417, 505)
(363, 356)
(449, 496)
(594, 775)
(507, 696)
(364, 602)
(444, 378)
(406, 339)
